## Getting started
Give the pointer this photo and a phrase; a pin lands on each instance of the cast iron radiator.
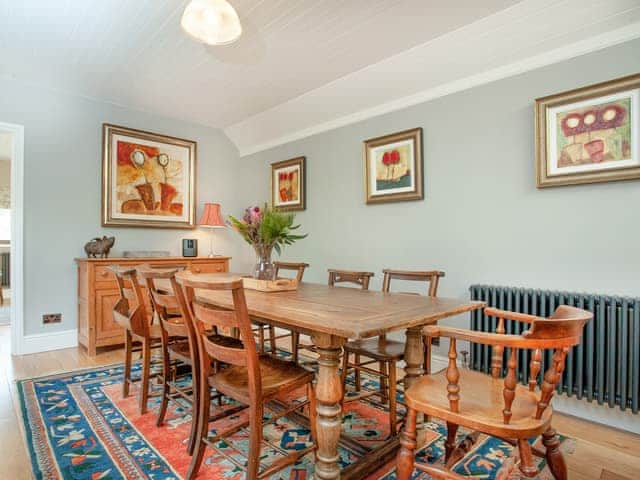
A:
(4, 268)
(605, 367)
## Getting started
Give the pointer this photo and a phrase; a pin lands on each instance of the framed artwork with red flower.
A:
(288, 185)
(148, 179)
(393, 167)
(589, 135)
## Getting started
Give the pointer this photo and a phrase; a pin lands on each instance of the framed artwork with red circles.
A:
(589, 135)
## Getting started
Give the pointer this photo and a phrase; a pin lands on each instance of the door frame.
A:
(17, 238)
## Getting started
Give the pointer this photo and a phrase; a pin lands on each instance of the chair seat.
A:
(155, 332)
(481, 404)
(278, 376)
(181, 351)
(384, 350)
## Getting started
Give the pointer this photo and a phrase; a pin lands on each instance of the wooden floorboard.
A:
(601, 452)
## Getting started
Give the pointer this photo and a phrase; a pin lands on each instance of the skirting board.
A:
(44, 342)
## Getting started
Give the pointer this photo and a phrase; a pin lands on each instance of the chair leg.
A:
(527, 466)
(295, 344)
(166, 371)
(343, 377)
(554, 457)
(255, 438)
(407, 453)
(272, 340)
(357, 365)
(450, 443)
(393, 398)
(261, 339)
(313, 414)
(426, 341)
(127, 363)
(195, 406)
(202, 427)
(146, 371)
(384, 396)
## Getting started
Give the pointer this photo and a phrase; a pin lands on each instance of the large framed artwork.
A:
(148, 179)
(589, 135)
(288, 185)
(393, 167)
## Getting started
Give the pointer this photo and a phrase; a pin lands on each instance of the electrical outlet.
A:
(51, 318)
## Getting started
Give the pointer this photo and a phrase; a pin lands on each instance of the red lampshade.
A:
(212, 216)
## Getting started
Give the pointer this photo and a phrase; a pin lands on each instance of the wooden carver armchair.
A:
(488, 404)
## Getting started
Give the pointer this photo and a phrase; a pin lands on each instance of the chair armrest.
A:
(476, 337)
(518, 317)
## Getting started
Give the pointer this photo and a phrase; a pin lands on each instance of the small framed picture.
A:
(393, 167)
(288, 185)
(589, 135)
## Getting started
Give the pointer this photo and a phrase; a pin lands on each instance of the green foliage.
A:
(267, 228)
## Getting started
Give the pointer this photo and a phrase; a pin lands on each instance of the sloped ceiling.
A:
(301, 65)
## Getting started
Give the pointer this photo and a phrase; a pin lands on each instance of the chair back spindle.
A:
(453, 376)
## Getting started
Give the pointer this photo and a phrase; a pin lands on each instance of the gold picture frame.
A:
(589, 135)
(148, 179)
(288, 185)
(393, 167)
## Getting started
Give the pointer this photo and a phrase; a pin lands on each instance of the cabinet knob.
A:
(104, 274)
(197, 270)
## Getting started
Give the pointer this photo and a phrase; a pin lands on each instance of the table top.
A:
(340, 311)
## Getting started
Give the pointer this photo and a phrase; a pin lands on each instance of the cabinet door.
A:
(108, 332)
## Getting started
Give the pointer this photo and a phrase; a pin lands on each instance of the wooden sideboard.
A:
(98, 292)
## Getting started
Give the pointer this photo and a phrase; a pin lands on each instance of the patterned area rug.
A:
(79, 427)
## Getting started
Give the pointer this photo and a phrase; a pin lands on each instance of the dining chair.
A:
(252, 379)
(177, 352)
(486, 403)
(131, 314)
(299, 268)
(360, 279)
(384, 351)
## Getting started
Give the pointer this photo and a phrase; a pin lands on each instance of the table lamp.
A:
(211, 218)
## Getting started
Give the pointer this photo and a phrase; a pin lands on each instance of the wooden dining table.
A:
(331, 316)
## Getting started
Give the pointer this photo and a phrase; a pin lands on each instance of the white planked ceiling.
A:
(301, 66)
(133, 52)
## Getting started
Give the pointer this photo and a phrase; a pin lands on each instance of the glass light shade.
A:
(214, 22)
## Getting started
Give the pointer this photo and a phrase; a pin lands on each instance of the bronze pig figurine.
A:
(99, 246)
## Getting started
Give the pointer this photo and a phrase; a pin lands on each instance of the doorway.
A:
(11, 295)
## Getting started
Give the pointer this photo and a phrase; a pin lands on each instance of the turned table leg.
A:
(414, 360)
(329, 413)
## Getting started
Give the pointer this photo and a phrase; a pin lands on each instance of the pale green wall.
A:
(62, 175)
(482, 220)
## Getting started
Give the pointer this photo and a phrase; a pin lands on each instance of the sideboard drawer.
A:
(103, 274)
(208, 267)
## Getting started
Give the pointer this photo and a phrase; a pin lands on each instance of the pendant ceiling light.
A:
(214, 22)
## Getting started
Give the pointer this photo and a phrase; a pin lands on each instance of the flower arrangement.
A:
(266, 229)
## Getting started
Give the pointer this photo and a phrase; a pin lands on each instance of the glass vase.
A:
(264, 268)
